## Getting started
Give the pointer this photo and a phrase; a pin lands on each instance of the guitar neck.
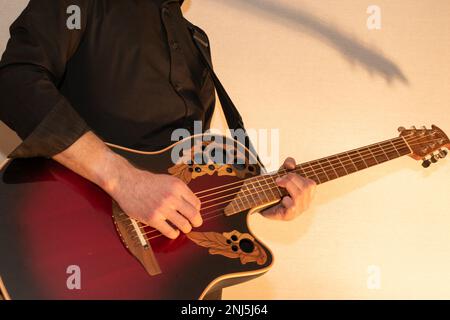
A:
(343, 164)
(263, 189)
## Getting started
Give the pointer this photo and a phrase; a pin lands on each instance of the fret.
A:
(346, 172)
(318, 171)
(388, 151)
(332, 167)
(262, 190)
(407, 145)
(271, 190)
(337, 166)
(350, 161)
(244, 190)
(323, 169)
(276, 186)
(238, 197)
(379, 156)
(358, 161)
(395, 148)
(373, 156)
(364, 160)
(383, 156)
(383, 151)
(233, 206)
(302, 172)
(405, 149)
(314, 172)
(369, 157)
(249, 193)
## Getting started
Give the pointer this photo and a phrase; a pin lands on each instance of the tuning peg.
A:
(442, 153)
(434, 158)
(413, 128)
(423, 127)
(426, 163)
(401, 129)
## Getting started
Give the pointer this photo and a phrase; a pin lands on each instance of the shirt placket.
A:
(179, 72)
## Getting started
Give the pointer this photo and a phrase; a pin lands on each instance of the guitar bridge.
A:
(134, 240)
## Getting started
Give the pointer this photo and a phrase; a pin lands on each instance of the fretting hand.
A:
(301, 191)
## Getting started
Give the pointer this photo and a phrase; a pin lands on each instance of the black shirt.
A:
(131, 74)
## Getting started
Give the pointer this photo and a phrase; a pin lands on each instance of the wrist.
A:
(112, 173)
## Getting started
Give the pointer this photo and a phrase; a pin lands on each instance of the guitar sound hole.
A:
(247, 245)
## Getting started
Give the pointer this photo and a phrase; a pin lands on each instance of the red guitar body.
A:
(52, 219)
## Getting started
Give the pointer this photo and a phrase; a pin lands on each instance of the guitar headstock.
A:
(426, 144)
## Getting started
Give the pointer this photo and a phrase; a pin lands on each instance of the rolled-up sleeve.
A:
(31, 70)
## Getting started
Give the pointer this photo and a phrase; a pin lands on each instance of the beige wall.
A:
(314, 70)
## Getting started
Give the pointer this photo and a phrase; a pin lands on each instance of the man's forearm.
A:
(91, 158)
(149, 198)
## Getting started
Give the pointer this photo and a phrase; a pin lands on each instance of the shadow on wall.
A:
(353, 50)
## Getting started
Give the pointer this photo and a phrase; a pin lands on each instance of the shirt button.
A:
(175, 45)
(178, 86)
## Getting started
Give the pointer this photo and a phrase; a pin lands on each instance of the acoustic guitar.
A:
(62, 237)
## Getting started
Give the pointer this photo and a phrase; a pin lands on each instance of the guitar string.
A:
(208, 214)
(205, 214)
(279, 174)
(390, 141)
(345, 163)
(307, 171)
(202, 191)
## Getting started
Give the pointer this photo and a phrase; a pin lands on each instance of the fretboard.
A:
(261, 190)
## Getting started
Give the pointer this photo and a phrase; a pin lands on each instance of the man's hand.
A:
(301, 191)
(153, 199)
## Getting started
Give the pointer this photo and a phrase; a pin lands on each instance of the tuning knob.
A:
(426, 163)
(401, 129)
(442, 153)
(434, 158)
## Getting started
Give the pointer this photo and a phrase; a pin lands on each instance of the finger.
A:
(275, 212)
(312, 188)
(300, 182)
(179, 221)
(190, 197)
(289, 183)
(163, 227)
(189, 212)
(309, 190)
(289, 208)
(289, 163)
(288, 203)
